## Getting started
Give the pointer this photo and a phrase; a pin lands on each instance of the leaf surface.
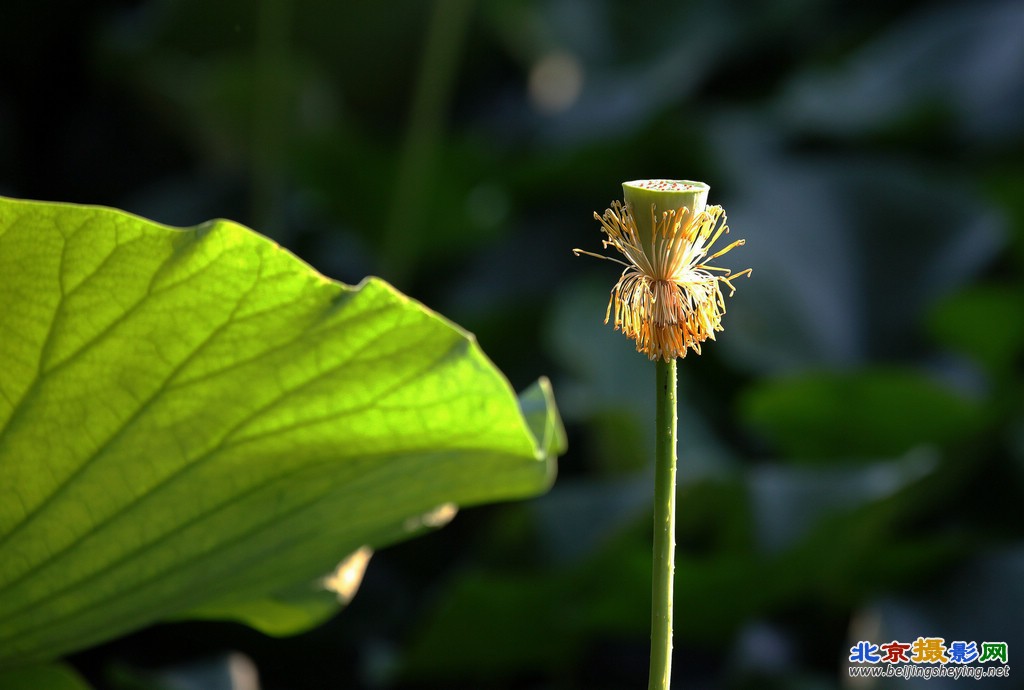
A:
(50, 677)
(195, 420)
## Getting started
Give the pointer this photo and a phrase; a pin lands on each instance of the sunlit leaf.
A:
(196, 421)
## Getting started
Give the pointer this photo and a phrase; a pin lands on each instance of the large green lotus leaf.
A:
(196, 422)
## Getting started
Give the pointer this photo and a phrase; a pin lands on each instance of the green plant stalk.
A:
(664, 526)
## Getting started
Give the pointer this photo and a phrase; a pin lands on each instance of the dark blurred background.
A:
(852, 448)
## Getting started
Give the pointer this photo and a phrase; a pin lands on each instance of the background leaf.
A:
(195, 419)
(844, 415)
(51, 677)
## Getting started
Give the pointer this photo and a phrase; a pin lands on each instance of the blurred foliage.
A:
(829, 415)
(852, 447)
(50, 677)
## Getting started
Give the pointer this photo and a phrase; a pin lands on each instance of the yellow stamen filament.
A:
(667, 298)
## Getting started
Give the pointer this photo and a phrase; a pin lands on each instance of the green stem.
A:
(664, 526)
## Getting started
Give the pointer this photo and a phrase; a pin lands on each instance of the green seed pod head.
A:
(665, 195)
